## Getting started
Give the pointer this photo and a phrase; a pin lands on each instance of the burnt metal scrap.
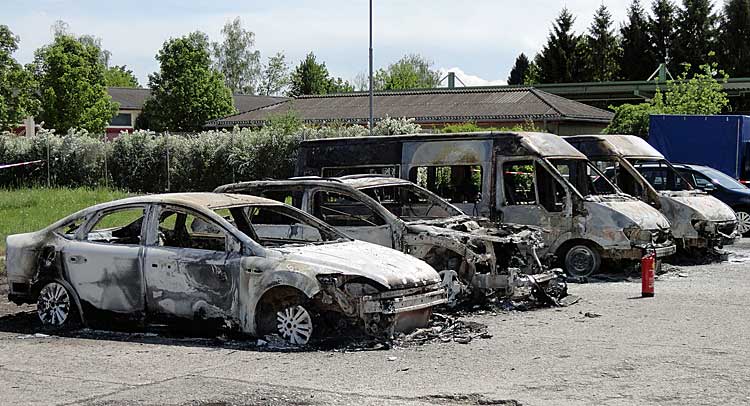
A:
(235, 262)
(476, 258)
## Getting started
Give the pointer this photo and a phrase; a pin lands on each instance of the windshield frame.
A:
(550, 163)
(432, 198)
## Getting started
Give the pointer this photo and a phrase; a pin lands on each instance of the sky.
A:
(477, 39)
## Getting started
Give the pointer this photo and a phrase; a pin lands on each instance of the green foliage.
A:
(603, 48)
(519, 70)
(120, 76)
(532, 74)
(410, 72)
(26, 210)
(237, 59)
(275, 76)
(700, 93)
(186, 92)
(311, 77)
(637, 58)
(558, 60)
(735, 37)
(662, 30)
(17, 98)
(696, 32)
(72, 87)
(462, 128)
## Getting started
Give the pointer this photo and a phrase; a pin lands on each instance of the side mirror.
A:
(710, 187)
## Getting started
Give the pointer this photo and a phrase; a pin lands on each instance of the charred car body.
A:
(249, 264)
(526, 178)
(698, 219)
(475, 257)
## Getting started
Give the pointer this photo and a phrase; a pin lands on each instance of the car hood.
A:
(689, 205)
(388, 267)
(475, 228)
(628, 212)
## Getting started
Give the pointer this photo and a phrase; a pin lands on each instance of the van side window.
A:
(457, 184)
(518, 183)
(551, 192)
(340, 210)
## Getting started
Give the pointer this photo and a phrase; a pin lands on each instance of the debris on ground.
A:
(469, 399)
(444, 329)
(591, 315)
(36, 335)
(700, 257)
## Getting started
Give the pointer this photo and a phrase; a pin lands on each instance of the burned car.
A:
(699, 221)
(529, 178)
(239, 262)
(475, 257)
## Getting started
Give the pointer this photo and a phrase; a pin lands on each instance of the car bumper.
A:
(403, 301)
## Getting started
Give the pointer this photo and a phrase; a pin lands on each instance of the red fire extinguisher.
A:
(648, 268)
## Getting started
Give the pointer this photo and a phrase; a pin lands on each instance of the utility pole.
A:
(371, 93)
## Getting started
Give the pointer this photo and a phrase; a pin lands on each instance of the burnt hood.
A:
(388, 267)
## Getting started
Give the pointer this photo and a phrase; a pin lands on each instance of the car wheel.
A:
(743, 222)
(294, 324)
(582, 260)
(55, 306)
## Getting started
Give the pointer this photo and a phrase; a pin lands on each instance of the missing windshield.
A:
(411, 202)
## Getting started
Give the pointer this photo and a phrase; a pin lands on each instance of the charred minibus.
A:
(699, 220)
(516, 177)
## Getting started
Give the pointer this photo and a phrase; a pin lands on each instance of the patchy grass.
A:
(24, 210)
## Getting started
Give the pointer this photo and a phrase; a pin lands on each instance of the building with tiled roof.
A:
(484, 106)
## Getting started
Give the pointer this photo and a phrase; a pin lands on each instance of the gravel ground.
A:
(687, 345)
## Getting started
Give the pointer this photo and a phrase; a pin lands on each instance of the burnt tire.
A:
(582, 260)
(290, 317)
(56, 307)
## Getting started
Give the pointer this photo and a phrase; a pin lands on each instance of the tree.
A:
(17, 99)
(275, 75)
(361, 82)
(72, 87)
(519, 70)
(637, 62)
(412, 71)
(701, 93)
(603, 49)
(557, 60)
(120, 76)
(311, 77)
(662, 31)
(61, 28)
(735, 37)
(237, 58)
(696, 32)
(186, 92)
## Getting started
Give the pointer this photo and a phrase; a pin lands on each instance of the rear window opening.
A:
(457, 183)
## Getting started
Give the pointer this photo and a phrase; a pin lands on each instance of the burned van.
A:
(698, 219)
(526, 178)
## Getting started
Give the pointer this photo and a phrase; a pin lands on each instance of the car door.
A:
(352, 217)
(103, 264)
(530, 194)
(185, 266)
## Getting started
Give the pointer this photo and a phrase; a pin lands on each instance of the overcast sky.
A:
(481, 38)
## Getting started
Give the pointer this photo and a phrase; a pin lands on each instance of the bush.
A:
(147, 162)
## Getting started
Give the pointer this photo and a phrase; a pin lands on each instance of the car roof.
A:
(629, 146)
(366, 181)
(196, 200)
(344, 182)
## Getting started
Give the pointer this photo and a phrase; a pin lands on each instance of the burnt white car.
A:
(240, 262)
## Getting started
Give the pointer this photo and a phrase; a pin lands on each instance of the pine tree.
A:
(520, 68)
(603, 49)
(637, 61)
(696, 33)
(557, 60)
(661, 29)
(735, 37)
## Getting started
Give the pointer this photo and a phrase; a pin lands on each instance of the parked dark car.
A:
(725, 188)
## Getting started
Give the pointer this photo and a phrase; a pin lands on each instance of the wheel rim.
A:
(743, 222)
(294, 324)
(53, 305)
(581, 261)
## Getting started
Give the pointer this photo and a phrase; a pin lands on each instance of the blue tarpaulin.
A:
(715, 141)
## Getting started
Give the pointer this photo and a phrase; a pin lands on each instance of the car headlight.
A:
(638, 236)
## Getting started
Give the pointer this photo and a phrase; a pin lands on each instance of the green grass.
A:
(24, 210)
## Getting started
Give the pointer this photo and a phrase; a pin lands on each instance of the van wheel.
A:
(582, 260)
(743, 222)
(55, 307)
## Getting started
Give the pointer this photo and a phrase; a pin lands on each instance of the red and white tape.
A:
(5, 166)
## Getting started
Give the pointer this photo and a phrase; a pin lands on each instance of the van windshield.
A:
(660, 174)
(410, 202)
(584, 176)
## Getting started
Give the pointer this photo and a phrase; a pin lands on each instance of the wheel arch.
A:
(38, 285)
